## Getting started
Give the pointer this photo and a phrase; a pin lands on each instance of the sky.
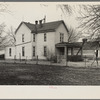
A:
(31, 11)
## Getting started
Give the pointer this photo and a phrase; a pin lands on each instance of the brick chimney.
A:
(40, 23)
(84, 40)
(36, 22)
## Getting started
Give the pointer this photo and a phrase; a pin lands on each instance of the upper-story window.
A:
(23, 51)
(22, 37)
(45, 37)
(9, 51)
(61, 37)
(33, 37)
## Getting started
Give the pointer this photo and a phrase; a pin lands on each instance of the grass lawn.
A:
(28, 74)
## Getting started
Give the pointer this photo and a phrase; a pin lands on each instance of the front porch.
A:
(68, 52)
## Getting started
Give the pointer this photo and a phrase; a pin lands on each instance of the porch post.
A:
(72, 51)
(56, 53)
(66, 54)
(82, 52)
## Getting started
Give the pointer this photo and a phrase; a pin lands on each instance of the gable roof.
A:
(46, 27)
(50, 26)
(29, 25)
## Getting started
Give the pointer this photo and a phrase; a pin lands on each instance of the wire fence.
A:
(86, 62)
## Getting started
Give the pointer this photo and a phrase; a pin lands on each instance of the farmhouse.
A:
(37, 39)
(47, 41)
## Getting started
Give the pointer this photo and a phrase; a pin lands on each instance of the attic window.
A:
(61, 37)
(22, 37)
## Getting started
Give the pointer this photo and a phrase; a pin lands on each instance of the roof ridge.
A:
(49, 26)
(28, 23)
(44, 23)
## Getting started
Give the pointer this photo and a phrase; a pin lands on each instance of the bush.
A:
(2, 57)
(75, 58)
(52, 59)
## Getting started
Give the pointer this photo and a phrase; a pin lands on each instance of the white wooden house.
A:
(37, 39)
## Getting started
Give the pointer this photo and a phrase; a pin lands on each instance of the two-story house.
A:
(37, 39)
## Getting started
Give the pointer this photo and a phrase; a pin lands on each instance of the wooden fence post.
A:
(66, 55)
(14, 58)
(85, 60)
(37, 60)
(20, 57)
(26, 60)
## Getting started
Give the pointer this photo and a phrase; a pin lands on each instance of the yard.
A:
(29, 74)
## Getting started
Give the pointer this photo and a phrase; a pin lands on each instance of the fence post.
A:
(15, 59)
(37, 60)
(85, 60)
(20, 57)
(66, 55)
(26, 60)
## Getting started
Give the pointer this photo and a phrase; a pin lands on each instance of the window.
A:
(61, 37)
(45, 51)
(44, 36)
(23, 51)
(22, 37)
(33, 37)
(33, 50)
(9, 51)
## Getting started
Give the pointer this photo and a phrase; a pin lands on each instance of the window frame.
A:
(45, 51)
(34, 51)
(33, 37)
(45, 37)
(61, 37)
(23, 51)
(10, 52)
(22, 37)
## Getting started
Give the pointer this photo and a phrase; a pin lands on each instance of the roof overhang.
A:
(43, 31)
(74, 45)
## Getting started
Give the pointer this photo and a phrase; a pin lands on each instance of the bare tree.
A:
(73, 35)
(90, 20)
(2, 38)
(11, 36)
(65, 8)
(3, 9)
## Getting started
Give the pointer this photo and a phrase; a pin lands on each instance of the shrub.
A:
(52, 58)
(75, 58)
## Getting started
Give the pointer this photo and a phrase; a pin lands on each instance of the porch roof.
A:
(75, 44)
(87, 46)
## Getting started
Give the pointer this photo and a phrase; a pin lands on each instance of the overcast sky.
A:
(31, 11)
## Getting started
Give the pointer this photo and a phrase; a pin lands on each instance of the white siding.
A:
(28, 51)
(27, 44)
(27, 34)
(51, 39)
(7, 56)
(61, 29)
(50, 43)
(2, 52)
